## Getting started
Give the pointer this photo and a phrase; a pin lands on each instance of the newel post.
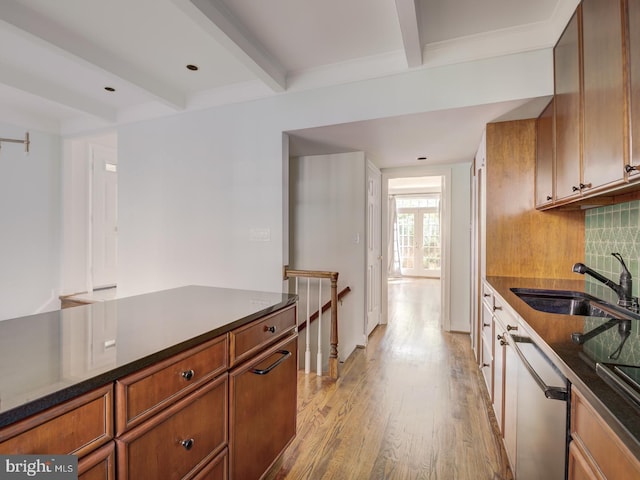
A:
(333, 353)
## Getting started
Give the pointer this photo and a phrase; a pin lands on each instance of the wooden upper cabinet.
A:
(633, 29)
(566, 58)
(544, 157)
(604, 97)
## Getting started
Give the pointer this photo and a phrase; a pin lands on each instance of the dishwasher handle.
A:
(263, 371)
(552, 393)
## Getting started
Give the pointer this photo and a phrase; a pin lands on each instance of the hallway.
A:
(410, 405)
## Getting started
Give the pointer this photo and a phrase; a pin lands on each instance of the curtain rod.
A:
(25, 141)
(421, 194)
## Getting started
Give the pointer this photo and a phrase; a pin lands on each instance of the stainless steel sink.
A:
(566, 302)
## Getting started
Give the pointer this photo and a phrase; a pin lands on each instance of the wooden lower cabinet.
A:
(580, 468)
(184, 418)
(179, 441)
(82, 426)
(216, 469)
(262, 410)
(595, 451)
(99, 465)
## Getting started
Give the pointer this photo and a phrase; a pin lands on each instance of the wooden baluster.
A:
(307, 352)
(319, 356)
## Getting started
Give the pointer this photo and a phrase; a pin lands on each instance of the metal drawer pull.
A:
(271, 329)
(509, 328)
(285, 354)
(188, 443)
(188, 374)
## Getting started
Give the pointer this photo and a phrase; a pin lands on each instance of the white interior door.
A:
(104, 216)
(374, 249)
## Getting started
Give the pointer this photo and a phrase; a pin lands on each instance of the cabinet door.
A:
(633, 8)
(498, 374)
(511, 361)
(544, 157)
(262, 409)
(98, 465)
(579, 467)
(604, 94)
(487, 346)
(566, 56)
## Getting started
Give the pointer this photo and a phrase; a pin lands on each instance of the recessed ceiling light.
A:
(422, 158)
(192, 67)
(110, 89)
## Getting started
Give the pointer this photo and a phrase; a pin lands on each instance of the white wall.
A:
(194, 187)
(30, 223)
(328, 215)
(460, 254)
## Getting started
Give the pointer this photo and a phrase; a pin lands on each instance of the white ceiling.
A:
(56, 57)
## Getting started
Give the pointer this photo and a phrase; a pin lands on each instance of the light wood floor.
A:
(408, 406)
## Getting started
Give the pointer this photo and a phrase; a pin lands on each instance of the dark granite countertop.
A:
(552, 333)
(51, 357)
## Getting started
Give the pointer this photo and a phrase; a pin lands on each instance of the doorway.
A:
(89, 257)
(104, 216)
(416, 237)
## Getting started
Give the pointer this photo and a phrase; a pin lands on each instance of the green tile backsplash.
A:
(614, 228)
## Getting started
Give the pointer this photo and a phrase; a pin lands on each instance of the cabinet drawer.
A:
(180, 440)
(76, 427)
(142, 394)
(246, 341)
(487, 294)
(98, 465)
(579, 466)
(216, 469)
(487, 366)
(599, 442)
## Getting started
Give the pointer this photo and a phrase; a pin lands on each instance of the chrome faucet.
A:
(623, 289)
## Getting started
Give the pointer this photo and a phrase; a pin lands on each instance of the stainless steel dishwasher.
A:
(542, 412)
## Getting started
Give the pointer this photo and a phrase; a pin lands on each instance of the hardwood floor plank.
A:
(411, 405)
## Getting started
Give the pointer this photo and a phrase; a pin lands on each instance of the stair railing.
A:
(290, 273)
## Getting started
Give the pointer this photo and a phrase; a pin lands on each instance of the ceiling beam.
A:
(215, 19)
(38, 27)
(408, 17)
(34, 85)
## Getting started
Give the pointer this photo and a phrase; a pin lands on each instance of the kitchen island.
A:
(139, 363)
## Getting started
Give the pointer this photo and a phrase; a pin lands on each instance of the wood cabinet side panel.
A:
(521, 241)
